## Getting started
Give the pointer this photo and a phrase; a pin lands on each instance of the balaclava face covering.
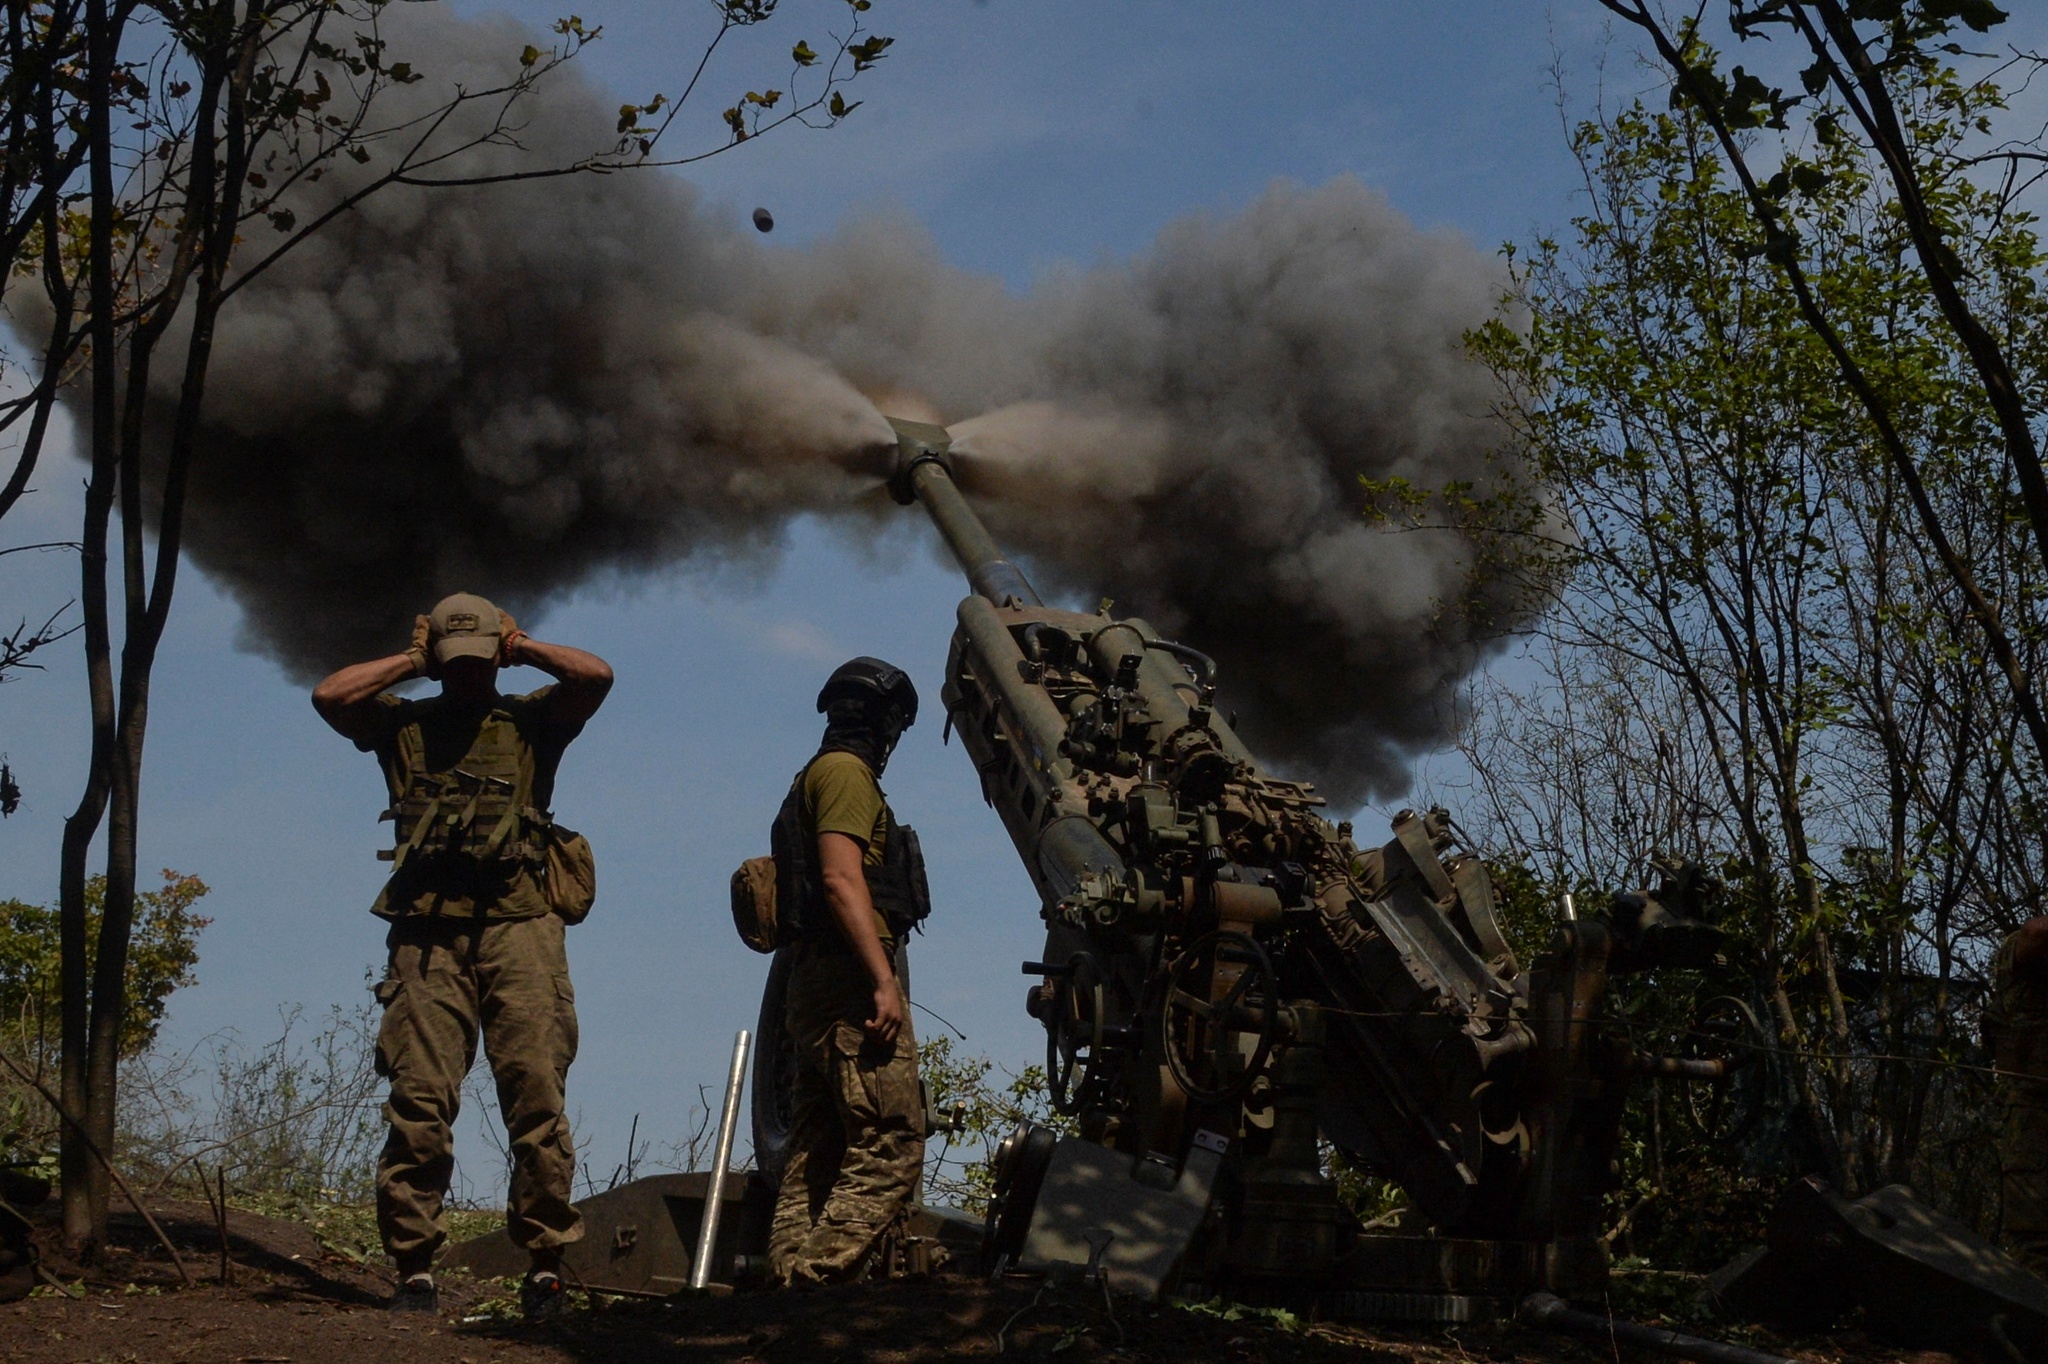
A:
(867, 729)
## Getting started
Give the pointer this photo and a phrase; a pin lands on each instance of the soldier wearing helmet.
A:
(854, 879)
(477, 902)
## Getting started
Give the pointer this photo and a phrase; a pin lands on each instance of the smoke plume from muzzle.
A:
(510, 388)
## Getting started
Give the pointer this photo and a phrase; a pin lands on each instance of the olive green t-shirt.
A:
(446, 733)
(841, 796)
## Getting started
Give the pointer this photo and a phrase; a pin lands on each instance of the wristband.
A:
(506, 646)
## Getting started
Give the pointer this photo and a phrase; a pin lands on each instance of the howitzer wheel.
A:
(1018, 1167)
(1723, 1111)
(1074, 1032)
(774, 1086)
(1202, 1035)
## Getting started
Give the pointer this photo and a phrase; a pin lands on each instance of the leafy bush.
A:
(297, 1118)
(164, 947)
(960, 1173)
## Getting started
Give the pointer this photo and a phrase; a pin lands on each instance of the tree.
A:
(1868, 58)
(1755, 653)
(164, 947)
(151, 161)
(45, 146)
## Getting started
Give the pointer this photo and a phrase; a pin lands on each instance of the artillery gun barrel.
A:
(1371, 989)
(922, 475)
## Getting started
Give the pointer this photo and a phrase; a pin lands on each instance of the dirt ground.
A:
(294, 1301)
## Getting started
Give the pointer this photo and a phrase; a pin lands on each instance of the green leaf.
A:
(529, 56)
(839, 107)
(1979, 15)
(802, 55)
(866, 54)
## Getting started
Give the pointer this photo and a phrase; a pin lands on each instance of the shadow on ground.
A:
(294, 1301)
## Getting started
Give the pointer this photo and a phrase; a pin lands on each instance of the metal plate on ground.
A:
(1090, 1196)
(641, 1237)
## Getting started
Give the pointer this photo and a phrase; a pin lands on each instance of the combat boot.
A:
(416, 1293)
(543, 1296)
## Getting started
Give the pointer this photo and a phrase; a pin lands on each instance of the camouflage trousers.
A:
(448, 981)
(856, 1138)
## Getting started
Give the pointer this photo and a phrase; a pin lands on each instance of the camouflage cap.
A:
(465, 626)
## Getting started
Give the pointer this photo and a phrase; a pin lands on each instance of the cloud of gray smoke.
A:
(511, 388)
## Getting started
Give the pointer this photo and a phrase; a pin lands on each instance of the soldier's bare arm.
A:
(347, 700)
(582, 678)
(840, 861)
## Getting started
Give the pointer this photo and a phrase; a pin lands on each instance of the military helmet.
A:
(875, 685)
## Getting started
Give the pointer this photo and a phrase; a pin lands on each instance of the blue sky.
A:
(1024, 135)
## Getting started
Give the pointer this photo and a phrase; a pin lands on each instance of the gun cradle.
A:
(1221, 959)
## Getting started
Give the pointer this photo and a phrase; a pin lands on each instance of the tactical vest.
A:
(478, 814)
(897, 886)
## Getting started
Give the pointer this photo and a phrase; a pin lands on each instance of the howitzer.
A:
(1230, 982)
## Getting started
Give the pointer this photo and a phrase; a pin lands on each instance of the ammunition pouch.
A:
(898, 887)
(460, 815)
(755, 911)
(568, 872)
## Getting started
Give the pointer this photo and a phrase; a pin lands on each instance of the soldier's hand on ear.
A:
(510, 640)
(421, 650)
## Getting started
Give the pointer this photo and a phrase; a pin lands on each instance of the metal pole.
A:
(714, 1193)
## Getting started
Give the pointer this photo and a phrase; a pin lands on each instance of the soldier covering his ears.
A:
(476, 941)
(854, 882)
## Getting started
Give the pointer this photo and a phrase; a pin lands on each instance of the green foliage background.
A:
(1747, 655)
(165, 948)
(164, 951)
